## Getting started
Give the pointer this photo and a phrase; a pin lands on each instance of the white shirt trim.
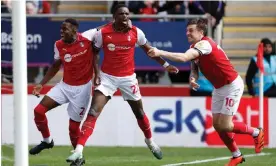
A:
(204, 47)
(89, 34)
(56, 56)
(141, 38)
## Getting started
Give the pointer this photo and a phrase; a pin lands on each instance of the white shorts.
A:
(128, 86)
(78, 98)
(226, 99)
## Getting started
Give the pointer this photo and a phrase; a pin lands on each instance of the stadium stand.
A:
(245, 23)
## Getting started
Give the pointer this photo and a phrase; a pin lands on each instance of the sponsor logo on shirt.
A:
(68, 57)
(112, 47)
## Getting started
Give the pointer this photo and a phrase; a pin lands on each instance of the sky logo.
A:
(165, 123)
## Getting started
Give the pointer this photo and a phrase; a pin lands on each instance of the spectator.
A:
(5, 6)
(274, 48)
(252, 76)
(213, 9)
(205, 87)
(173, 7)
(38, 7)
(46, 7)
(32, 7)
(148, 9)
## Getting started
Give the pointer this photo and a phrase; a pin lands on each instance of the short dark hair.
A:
(120, 5)
(201, 24)
(266, 41)
(72, 21)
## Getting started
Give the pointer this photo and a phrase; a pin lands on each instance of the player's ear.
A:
(75, 29)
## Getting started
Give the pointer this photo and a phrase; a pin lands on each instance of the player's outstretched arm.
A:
(52, 71)
(177, 57)
(161, 61)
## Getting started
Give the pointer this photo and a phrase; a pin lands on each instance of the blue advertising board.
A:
(43, 32)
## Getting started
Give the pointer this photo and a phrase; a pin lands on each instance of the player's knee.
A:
(40, 110)
(216, 126)
(222, 127)
(94, 112)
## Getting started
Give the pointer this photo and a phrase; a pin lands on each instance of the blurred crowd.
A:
(213, 9)
(32, 7)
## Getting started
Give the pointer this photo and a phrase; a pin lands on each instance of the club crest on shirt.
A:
(81, 44)
(128, 38)
(67, 58)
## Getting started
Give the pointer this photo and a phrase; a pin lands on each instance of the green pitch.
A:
(126, 156)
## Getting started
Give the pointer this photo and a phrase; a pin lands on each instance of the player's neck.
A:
(71, 41)
(117, 28)
(198, 40)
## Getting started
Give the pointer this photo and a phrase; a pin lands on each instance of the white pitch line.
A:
(215, 159)
(6, 158)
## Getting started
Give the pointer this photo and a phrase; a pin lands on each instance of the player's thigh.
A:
(130, 89)
(54, 97)
(48, 102)
(79, 98)
(108, 86)
(231, 101)
(217, 103)
(75, 112)
(99, 100)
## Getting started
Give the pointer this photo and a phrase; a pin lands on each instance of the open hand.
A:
(193, 84)
(153, 52)
(97, 80)
(172, 69)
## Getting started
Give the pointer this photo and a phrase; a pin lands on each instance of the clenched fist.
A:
(37, 89)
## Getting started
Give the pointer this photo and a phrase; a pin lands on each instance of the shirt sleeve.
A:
(203, 47)
(98, 40)
(141, 37)
(89, 34)
(56, 56)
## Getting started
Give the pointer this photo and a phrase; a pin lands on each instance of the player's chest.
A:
(205, 61)
(76, 52)
(120, 39)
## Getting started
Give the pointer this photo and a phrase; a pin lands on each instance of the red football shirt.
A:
(214, 63)
(76, 58)
(118, 49)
